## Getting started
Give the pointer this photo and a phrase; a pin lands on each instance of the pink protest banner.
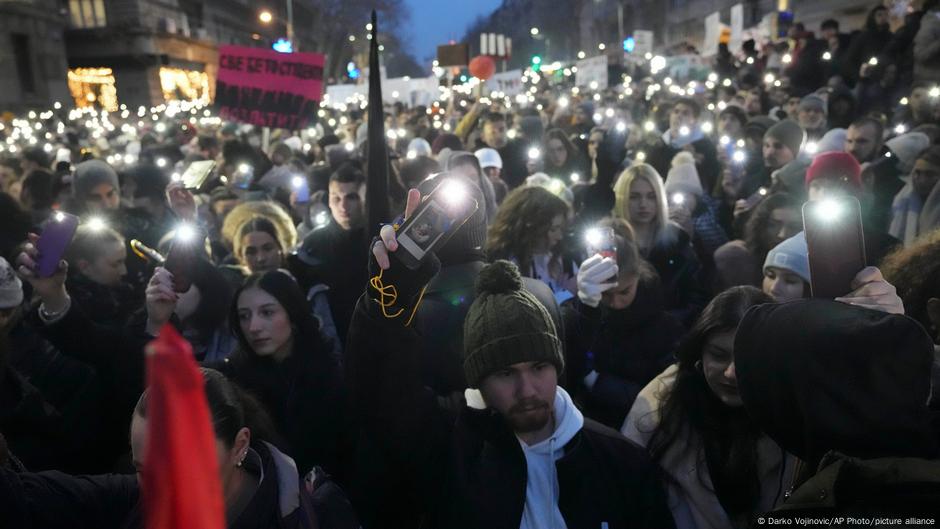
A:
(267, 88)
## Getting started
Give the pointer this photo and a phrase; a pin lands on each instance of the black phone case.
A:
(411, 261)
(836, 252)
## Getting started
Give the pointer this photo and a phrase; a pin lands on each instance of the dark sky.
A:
(434, 22)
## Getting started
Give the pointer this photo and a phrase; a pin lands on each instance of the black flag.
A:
(377, 177)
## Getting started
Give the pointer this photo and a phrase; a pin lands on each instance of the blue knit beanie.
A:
(792, 255)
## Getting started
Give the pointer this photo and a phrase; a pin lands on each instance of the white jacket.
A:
(692, 498)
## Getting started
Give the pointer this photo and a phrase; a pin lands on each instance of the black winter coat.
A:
(683, 279)
(423, 465)
(627, 348)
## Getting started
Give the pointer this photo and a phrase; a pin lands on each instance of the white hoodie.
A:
(541, 489)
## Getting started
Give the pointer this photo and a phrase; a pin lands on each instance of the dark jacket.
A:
(866, 44)
(51, 407)
(866, 434)
(685, 288)
(627, 348)
(51, 500)
(440, 321)
(304, 394)
(421, 463)
(116, 355)
(110, 305)
(336, 258)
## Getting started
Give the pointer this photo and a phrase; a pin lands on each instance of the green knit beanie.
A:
(506, 325)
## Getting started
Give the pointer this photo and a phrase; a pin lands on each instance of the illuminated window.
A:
(87, 13)
(184, 85)
(93, 87)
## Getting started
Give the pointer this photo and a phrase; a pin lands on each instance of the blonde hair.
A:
(646, 172)
(90, 242)
(286, 232)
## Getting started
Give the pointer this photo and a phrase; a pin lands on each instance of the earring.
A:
(698, 365)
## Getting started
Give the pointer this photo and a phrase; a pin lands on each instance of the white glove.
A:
(593, 272)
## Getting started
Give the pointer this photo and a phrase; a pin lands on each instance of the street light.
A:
(265, 17)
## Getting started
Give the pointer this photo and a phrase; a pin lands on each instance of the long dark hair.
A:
(230, 408)
(729, 439)
(282, 287)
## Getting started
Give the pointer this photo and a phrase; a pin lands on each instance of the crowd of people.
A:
(520, 376)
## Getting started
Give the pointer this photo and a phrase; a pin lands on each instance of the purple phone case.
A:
(53, 243)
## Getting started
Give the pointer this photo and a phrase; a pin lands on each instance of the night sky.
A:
(434, 22)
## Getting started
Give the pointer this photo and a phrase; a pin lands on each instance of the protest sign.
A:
(267, 88)
(712, 34)
(643, 42)
(590, 70)
(737, 27)
(509, 83)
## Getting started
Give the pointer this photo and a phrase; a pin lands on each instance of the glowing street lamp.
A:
(265, 17)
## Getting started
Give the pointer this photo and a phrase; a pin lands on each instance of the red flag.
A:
(181, 485)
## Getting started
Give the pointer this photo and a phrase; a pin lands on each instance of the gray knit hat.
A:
(789, 133)
(11, 288)
(506, 325)
(89, 174)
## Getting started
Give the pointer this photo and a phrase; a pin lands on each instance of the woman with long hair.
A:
(641, 201)
(257, 246)
(529, 229)
(562, 158)
(257, 481)
(722, 468)
(284, 360)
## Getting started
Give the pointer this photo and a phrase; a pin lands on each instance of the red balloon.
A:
(482, 67)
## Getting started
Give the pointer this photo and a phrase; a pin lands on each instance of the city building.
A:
(32, 54)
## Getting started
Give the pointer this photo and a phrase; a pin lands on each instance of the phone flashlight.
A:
(534, 153)
(321, 219)
(96, 224)
(873, 61)
(184, 233)
(738, 156)
(600, 241)
(829, 210)
(453, 193)
(678, 199)
(762, 191)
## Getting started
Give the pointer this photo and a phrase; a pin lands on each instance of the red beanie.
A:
(836, 166)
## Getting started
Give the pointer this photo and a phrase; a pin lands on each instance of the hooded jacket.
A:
(425, 466)
(865, 434)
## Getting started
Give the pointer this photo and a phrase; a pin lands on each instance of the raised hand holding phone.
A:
(51, 288)
(836, 244)
(395, 289)
(160, 299)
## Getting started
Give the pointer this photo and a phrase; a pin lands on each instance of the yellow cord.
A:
(388, 295)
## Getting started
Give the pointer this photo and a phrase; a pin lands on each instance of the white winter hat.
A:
(832, 141)
(683, 176)
(420, 147)
(489, 158)
(907, 147)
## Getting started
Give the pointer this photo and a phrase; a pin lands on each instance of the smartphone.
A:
(434, 222)
(244, 174)
(197, 173)
(54, 241)
(601, 241)
(185, 249)
(301, 189)
(836, 245)
(756, 197)
(147, 253)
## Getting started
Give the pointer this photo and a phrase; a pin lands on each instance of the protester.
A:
(685, 133)
(529, 230)
(786, 384)
(915, 207)
(512, 354)
(258, 484)
(786, 270)
(256, 246)
(739, 262)
(492, 166)
(618, 334)
(98, 260)
(331, 260)
(692, 209)
(641, 201)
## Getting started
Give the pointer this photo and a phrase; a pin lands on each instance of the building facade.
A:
(33, 62)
